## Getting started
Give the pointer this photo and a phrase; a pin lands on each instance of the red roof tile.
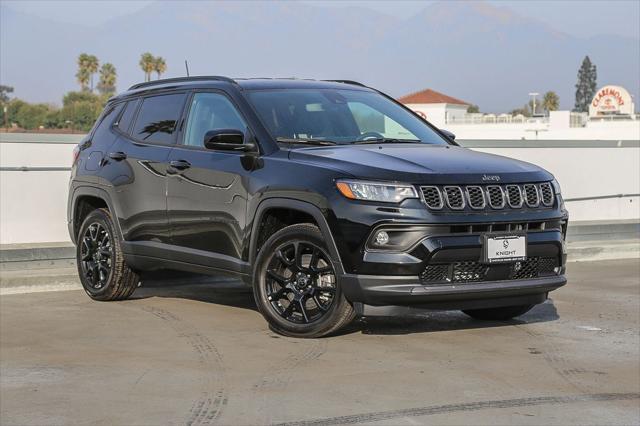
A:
(429, 96)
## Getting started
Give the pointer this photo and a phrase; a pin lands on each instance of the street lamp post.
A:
(533, 100)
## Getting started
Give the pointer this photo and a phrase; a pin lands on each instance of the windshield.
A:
(338, 116)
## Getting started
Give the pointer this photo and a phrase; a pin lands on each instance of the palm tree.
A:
(107, 83)
(83, 74)
(159, 66)
(92, 67)
(550, 101)
(147, 63)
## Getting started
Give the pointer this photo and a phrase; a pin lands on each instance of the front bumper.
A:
(402, 290)
(408, 278)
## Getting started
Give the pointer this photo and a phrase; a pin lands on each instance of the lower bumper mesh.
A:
(473, 272)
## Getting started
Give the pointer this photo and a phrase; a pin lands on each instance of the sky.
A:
(578, 18)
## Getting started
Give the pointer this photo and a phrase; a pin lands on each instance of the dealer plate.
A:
(504, 248)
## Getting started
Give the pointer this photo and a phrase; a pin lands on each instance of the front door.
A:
(206, 189)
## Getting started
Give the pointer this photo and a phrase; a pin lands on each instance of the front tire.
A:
(296, 286)
(103, 272)
(498, 314)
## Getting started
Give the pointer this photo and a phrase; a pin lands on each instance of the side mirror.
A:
(448, 134)
(227, 140)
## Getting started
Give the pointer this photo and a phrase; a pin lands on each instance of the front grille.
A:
(473, 271)
(546, 193)
(436, 273)
(467, 272)
(496, 197)
(475, 196)
(454, 197)
(531, 195)
(432, 197)
(514, 196)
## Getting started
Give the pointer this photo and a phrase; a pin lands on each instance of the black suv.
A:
(329, 198)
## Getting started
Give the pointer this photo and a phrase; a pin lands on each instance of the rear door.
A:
(206, 189)
(139, 157)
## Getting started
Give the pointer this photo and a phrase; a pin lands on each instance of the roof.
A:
(429, 96)
(243, 83)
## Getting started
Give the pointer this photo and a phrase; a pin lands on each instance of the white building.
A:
(436, 107)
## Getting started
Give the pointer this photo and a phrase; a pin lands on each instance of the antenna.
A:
(186, 65)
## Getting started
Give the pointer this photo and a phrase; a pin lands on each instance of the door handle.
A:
(118, 156)
(180, 164)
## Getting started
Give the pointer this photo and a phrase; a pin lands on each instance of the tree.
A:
(159, 65)
(147, 63)
(4, 93)
(550, 101)
(525, 110)
(82, 109)
(107, 83)
(586, 85)
(473, 109)
(83, 72)
(92, 67)
(32, 116)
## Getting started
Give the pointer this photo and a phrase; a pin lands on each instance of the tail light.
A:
(75, 154)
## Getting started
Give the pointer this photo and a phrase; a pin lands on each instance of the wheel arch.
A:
(272, 204)
(91, 196)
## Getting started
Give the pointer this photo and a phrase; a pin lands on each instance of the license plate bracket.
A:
(504, 247)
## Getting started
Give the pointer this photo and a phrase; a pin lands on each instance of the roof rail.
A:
(356, 83)
(181, 79)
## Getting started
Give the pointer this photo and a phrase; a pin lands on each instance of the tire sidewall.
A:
(304, 233)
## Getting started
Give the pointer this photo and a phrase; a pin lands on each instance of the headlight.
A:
(376, 191)
(556, 186)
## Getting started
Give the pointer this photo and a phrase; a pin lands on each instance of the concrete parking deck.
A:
(201, 354)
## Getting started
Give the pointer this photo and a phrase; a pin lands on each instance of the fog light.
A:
(382, 238)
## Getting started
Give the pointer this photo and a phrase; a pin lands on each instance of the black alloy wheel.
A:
(297, 285)
(104, 274)
(300, 282)
(96, 255)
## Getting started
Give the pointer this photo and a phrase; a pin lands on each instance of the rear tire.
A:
(103, 272)
(498, 314)
(295, 284)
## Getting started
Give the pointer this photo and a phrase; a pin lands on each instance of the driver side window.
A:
(211, 111)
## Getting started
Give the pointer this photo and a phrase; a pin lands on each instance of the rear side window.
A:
(127, 116)
(158, 118)
(103, 130)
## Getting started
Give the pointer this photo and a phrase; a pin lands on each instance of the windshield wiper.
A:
(387, 140)
(306, 141)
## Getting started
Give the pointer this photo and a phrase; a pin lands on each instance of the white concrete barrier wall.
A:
(33, 203)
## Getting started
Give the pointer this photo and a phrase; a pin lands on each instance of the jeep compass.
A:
(330, 199)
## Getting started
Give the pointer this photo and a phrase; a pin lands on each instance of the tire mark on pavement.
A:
(470, 406)
(279, 374)
(213, 399)
(555, 358)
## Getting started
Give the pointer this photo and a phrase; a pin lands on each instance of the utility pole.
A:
(6, 118)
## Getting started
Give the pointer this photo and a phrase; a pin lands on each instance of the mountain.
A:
(475, 51)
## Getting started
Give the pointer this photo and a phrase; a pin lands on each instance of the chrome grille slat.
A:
(531, 196)
(482, 197)
(475, 197)
(454, 197)
(546, 194)
(432, 197)
(495, 194)
(514, 196)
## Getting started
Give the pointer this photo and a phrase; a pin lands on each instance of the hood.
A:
(420, 163)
